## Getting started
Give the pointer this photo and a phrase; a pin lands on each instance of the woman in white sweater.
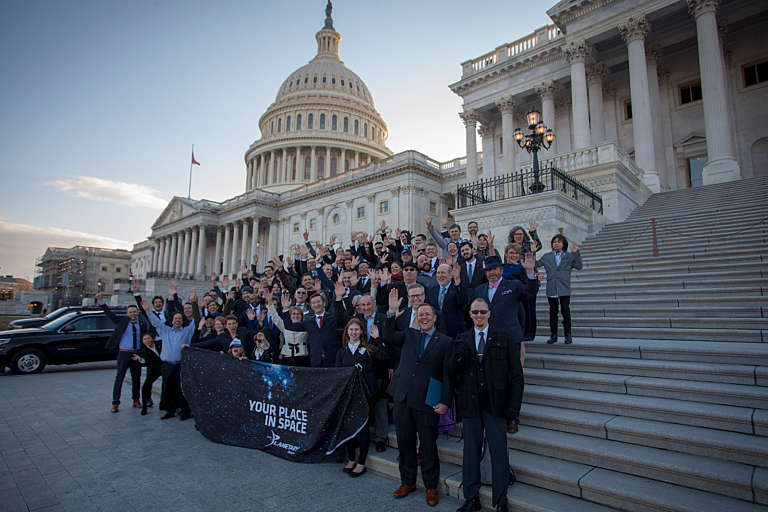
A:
(294, 345)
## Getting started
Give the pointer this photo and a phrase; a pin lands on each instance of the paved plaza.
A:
(61, 449)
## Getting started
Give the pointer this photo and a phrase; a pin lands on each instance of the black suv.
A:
(23, 323)
(74, 337)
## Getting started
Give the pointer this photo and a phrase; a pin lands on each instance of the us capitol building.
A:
(642, 96)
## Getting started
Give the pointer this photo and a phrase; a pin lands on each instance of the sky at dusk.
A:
(101, 100)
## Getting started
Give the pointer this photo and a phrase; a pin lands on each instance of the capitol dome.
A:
(323, 123)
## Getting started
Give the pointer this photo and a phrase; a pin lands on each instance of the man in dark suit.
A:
(126, 339)
(374, 323)
(422, 360)
(472, 274)
(485, 374)
(506, 296)
(321, 325)
(449, 298)
(364, 280)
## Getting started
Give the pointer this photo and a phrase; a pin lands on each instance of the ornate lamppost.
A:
(540, 137)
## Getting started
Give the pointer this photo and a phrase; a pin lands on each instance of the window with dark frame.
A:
(755, 73)
(689, 93)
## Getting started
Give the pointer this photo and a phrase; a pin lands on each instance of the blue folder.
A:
(434, 392)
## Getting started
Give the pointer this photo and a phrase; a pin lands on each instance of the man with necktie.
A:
(484, 371)
(127, 339)
(422, 360)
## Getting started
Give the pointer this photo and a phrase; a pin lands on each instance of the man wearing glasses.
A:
(484, 372)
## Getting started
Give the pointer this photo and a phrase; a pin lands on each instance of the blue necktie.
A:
(470, 271)
(422, 343)
(441, 298)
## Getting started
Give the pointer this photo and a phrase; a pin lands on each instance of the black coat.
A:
(411, 379)
(365, 358)
(454, 308)
(506, 304)
(381, 364)
(503, 374)
(323, 341)
(478, 276)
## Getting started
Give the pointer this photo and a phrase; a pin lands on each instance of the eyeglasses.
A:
(414, 296)
(479, 311)
(301, 292)
(409, 269)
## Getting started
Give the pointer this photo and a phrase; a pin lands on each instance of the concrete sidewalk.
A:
(61, 449)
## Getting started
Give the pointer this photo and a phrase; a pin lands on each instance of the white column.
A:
(272, 242)
(234, 268)
(262, 176)
(655, 101)
(248, 174)
(665, 107)
(486, 134)
(156, 256)
(254, 239)
(576, 52)
(217, 252)
(633, 32)
(546, 92)
(722, 165)
(164, 260)
(299, 166)
(181, 264)
(507, 107)
(201, 248)
(327, 163)
(226, 255)
(244, 246)
(313, 165)
(174, 253)
(611, 122)
(343, 167)
(191, 258)
(470, 123)
(597, 118)
(283, 175)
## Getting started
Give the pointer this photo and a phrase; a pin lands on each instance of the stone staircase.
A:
(661, 403)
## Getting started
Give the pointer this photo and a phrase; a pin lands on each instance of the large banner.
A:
(299, 414)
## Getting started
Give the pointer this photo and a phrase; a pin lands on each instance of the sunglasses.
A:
(479, 311)
(301, 292)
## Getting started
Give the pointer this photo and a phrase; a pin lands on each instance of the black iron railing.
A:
(526, 183)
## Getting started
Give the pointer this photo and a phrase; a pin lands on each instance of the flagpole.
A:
(189, 191)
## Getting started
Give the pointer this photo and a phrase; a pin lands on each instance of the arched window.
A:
(298, 121)
(322, 121)
(365, 130)
(295, 166)
(307, 168)
(373, 132)
(357, 127)
(346, 124)
(279, 124)
(333, 123)
(336, 218)
(288, 123)
(320, 166)
(310, 121)
(333, 167)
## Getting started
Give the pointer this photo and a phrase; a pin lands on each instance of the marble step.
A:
(696, 371)
(618, 319)
(696, 414)
(726, 273)
(715, 335)
(580, 310)
(708, 392)
(696, 301)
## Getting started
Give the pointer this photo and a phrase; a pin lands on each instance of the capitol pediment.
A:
(178, 208)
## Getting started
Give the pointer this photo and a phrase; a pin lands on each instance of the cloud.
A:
(109, 191)
(23, 244)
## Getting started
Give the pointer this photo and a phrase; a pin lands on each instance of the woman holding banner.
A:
(357, 350)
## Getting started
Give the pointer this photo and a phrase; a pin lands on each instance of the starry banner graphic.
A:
(299, 414)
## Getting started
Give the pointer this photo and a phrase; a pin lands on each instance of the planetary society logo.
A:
(273, 441)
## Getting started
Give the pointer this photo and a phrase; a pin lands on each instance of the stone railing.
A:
(511, 50)
(605, 153)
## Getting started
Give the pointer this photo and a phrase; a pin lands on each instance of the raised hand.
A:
(255, 259)
(193, 296)
(394, 300)
(201, 324)
(238, 283)
(574, 246)
(356, 261)
(383, 226)
(535, 245)
(529, 262)
(173, 287)
(445, 220)
(339, 289)
(428, 219)
(318, 285)
(386, 275)
(354, 279)
(214, 277)
(532, 226)
(145, 305)
(262, 315)
(306, 236)
(456, 272)
(251, 314)
(225, 281)
(491, 238)
(374, 331)
(285, 301)
(136, 288)
(332, 240)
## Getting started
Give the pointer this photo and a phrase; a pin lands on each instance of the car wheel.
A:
(28, 361)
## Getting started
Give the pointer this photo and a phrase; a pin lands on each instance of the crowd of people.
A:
(408, 310)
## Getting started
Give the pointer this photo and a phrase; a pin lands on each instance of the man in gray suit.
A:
(558, 265)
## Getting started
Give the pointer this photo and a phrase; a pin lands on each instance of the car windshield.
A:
(55, 324)
(55, 314)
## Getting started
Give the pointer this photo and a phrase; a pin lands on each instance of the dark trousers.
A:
(496, 431)
(171, 397)
(154, 370)
(124, 362)
(380, 413)
(363, 441)
(529, 307)
(565, 310)
(409, 423)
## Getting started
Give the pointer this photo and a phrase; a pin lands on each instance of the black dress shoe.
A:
(353, 474)
(168, 415)
(380, 446)
(470, 505)
(144, 410)
(347, 470)
(512, 476)
(502, 507)
(568, 340)
(552, 340)
(150, 403)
